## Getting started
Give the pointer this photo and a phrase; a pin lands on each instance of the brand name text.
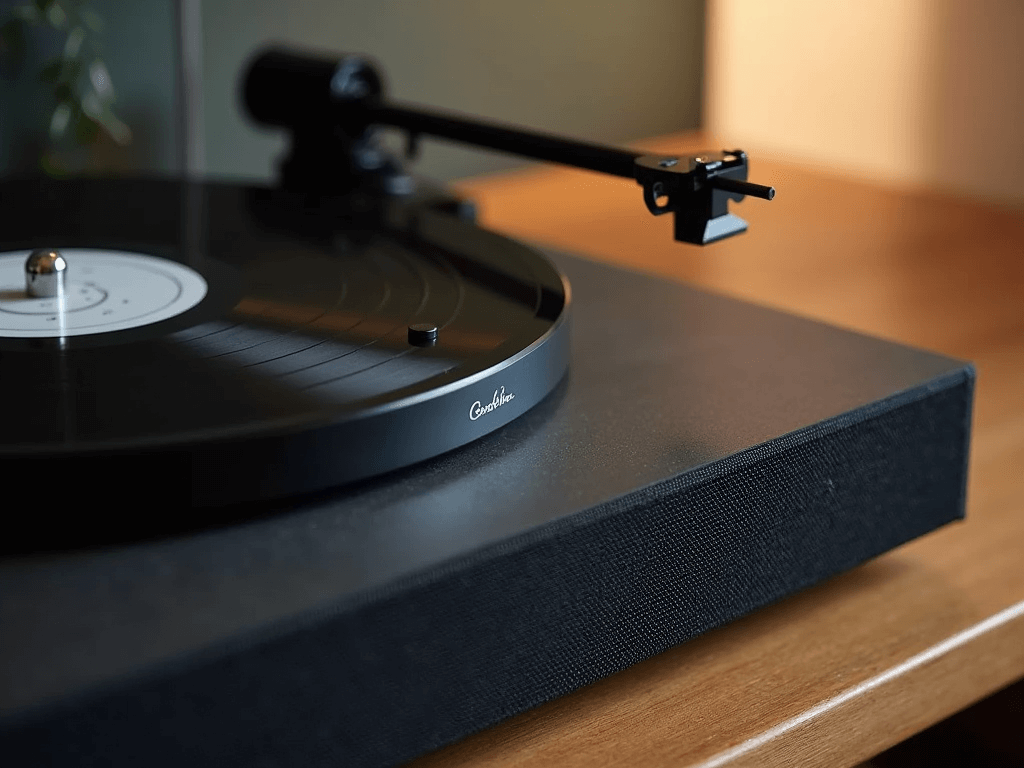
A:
(478, 409)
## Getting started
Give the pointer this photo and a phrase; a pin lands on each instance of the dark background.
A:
(599, 69)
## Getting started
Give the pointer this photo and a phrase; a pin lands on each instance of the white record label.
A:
(104, 291)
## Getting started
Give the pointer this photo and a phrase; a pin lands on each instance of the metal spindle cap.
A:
(45, 270)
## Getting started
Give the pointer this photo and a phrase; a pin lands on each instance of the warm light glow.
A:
(915, 92)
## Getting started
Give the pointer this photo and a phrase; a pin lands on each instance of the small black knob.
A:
(423, 334)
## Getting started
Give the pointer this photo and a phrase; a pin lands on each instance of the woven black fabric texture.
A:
(532, 618)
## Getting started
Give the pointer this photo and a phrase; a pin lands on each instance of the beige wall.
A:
(915, 92)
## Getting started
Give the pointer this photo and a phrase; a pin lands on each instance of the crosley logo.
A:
(477, 409)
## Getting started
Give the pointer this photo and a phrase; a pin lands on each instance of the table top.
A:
(853, 666)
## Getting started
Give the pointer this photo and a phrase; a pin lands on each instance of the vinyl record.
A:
(231, 343)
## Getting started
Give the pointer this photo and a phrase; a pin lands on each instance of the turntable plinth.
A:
(291, 637)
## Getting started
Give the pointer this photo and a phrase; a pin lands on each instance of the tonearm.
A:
(333, 105)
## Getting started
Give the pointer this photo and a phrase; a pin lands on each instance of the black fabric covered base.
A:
(704, 458)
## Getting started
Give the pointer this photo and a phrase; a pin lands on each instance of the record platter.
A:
(196, 369)
(375, 478)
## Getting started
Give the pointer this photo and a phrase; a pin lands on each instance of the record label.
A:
(104, 291)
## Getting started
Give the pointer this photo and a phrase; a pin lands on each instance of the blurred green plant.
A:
(78, 80)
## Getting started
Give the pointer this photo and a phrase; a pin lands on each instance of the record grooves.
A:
(298, 367)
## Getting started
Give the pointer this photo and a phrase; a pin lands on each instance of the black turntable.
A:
(362, 494)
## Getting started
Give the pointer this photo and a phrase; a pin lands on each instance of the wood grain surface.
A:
(842, 671)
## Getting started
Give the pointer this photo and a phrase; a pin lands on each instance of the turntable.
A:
(365, 489)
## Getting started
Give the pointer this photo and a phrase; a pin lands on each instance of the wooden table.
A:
(840, 672)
